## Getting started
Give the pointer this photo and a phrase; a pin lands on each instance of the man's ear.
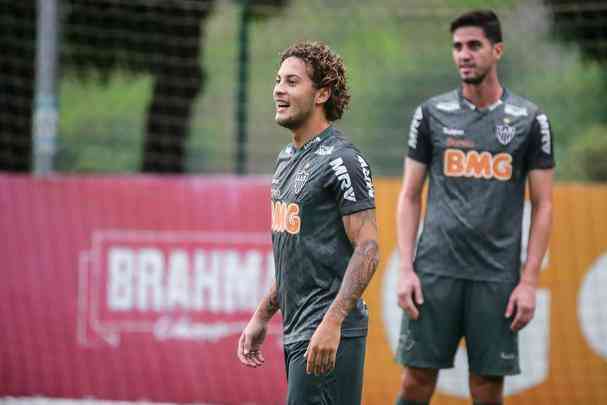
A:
(498, 50)
(323, 95)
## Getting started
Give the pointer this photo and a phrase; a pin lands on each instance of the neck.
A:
(308, 130)
(484, 94)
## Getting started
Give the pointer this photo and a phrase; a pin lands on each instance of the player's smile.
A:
(281, 106)
(293, 93)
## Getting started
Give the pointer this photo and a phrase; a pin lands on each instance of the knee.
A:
(486, 389)
(418, 383)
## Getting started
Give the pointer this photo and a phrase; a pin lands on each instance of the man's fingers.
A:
(256, 358)
(310, 360)
(319, 361)
(419, 297)
(332, 361)
(240, 351)
(519, 319)
(510, 307)
(247, 356)
(402, 301)
(522, 318)
(410, 308)
(326, 364)
(319, 364)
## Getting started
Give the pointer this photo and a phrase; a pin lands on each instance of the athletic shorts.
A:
(454, 309)
(341, 386)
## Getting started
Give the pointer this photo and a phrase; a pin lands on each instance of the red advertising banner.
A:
(135, 288)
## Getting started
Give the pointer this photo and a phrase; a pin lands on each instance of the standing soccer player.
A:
(478, 144)
(324, 236)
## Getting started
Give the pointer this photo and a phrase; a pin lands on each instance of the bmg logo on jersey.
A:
(483, 165)
(285, 217)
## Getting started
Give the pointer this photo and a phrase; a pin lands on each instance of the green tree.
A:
(590, 151)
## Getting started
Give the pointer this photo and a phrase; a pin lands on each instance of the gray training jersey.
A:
(478, 161)
(312, 189)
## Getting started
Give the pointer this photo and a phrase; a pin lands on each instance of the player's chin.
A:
(285, 121)
(469, 79)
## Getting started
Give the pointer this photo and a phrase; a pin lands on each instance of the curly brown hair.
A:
(326, 69)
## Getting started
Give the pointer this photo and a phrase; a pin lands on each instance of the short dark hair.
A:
(326, 69)
(485, 19)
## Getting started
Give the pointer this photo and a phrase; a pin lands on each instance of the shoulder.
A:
(445, 103)
(286, 152)
(344, 147)
(340, 151)
(518, 106)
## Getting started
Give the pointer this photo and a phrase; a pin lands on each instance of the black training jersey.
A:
(478, 161)
(312, 189)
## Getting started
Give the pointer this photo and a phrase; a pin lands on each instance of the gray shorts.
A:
(341, 386)
(454, 309)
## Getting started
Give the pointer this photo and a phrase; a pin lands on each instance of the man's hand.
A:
(250, 342)
(409, 291)
(522, 305)
(322, 349)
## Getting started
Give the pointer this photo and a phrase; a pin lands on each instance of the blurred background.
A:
(185, 86)
(101, 99)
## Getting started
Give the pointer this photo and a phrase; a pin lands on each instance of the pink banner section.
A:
(135, 288)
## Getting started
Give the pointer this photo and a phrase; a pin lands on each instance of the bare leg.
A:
(486, 390)
(417, 385)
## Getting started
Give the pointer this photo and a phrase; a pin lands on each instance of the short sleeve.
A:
(349, 178)
(420, 143)
(540, 153)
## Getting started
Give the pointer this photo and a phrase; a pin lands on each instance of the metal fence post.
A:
(242, 88)
(45, 103)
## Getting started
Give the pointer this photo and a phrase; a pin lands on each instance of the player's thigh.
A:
(431, 340)
(492, 346)
(341, 386)
(349, 367)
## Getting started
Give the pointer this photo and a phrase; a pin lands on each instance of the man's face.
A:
(294, 94)
(473, 54)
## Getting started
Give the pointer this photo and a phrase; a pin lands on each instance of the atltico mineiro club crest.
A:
(300, 179)
(504, 133)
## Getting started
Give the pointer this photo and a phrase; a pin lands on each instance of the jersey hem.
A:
(419, 159)
(451, 275)
(347, 333)
(362, 206)
(542, 166)
(423, 364)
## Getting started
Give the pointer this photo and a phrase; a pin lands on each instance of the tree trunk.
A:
(17, 78)
(178, 79)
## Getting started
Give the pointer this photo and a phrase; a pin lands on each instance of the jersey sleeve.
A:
(420, 143)
(349, 178)
(540, 153)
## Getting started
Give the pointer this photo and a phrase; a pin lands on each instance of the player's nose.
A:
(278, 89)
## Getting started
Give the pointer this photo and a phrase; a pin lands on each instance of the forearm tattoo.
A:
(270, 303)
(361, 267)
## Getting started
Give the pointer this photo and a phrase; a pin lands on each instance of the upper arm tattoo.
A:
(359, 224)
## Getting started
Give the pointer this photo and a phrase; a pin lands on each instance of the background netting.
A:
(153, 86)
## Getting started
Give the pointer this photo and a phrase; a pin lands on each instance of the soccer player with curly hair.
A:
(324, 236)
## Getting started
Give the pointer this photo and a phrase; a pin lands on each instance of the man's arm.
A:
(407, 223)
(254, 334)
(361, 228)
(522, 299)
